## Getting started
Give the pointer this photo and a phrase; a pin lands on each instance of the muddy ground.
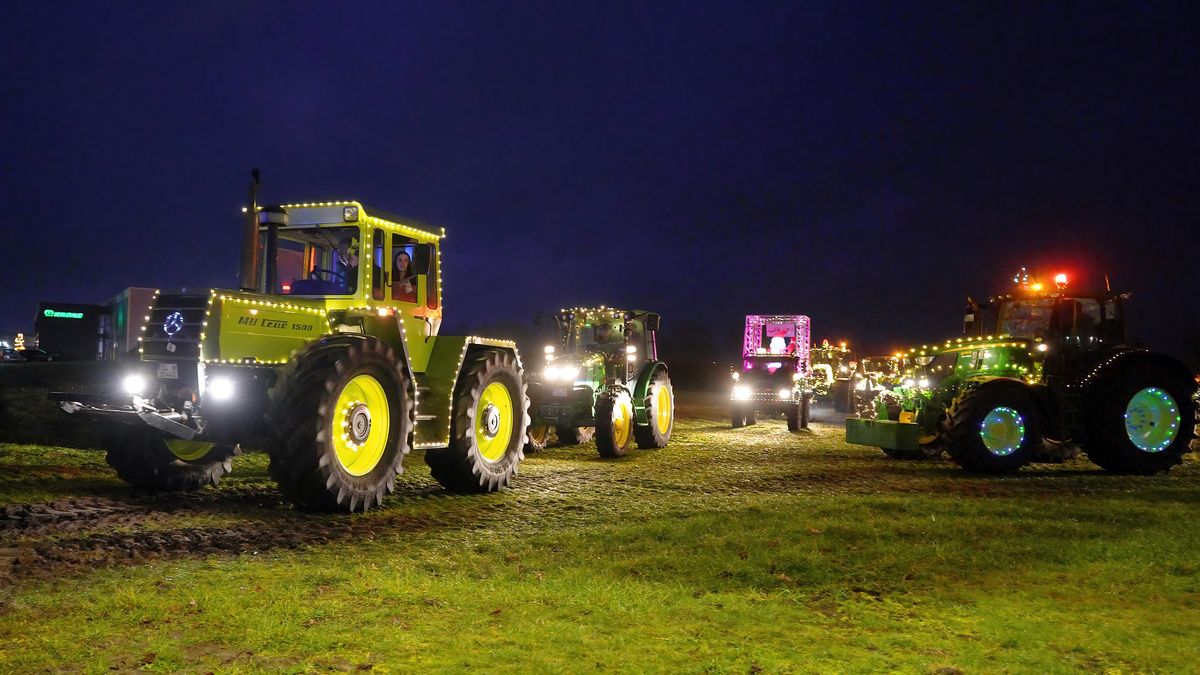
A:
(92, 520)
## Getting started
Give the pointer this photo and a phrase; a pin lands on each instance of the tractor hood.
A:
(224, 326)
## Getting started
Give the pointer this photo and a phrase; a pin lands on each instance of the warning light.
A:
(1037, 286)
(1060, 280)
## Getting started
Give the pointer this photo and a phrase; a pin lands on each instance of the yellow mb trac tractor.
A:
(329, 356)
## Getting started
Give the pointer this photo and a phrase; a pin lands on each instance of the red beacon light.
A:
(1060, 280)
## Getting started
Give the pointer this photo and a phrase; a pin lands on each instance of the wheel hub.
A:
(491, 420)
(358, 422)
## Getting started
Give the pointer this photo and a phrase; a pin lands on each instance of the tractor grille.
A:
(174, 328)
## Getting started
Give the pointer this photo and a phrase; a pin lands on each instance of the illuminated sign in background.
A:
(55, 314)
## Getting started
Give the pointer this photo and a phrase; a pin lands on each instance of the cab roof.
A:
(347, 212)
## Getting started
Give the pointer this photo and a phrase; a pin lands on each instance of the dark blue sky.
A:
(869, 164)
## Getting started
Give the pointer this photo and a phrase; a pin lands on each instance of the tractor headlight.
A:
(736, 376)
(568, 372)
(134, 384)
(785, 394)
(221, 388)
(909, 382)
(923, 383)
(549, 349)
(741, 393)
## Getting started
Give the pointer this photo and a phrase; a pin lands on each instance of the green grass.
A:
(729, 551)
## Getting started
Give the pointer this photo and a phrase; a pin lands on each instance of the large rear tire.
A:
(145, 460)
(614, 423)
(1140, 419)
(993, 428)
(490, 419)
(660, 411)
(342, 416)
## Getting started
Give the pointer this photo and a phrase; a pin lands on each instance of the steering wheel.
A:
(327, 275)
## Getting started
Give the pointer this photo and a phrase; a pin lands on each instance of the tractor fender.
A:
(978, 381)
(387, 330)
(641, 390)
(1119, 361)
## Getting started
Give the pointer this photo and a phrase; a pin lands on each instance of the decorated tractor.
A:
(1039, 373)
(603, 379)
(832, 367)
(330, 356)
(774, 372)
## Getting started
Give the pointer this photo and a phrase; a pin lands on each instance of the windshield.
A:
(316, 261)
(1025, 318)
(599, 333)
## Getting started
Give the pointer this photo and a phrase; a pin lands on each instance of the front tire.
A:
(146, 460)
(614, 423)
(1137, 423)
(993, 428)
(342, 414)
(660, 412)
(539, 438)
(489, 423)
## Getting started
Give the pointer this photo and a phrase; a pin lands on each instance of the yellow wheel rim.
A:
(360, 425)
(662, 409)
(622, 421)
(188, 451)
(494, 422)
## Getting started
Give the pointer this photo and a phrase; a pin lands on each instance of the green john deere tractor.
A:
(603, 375)
(1037, 375)
(329, 356)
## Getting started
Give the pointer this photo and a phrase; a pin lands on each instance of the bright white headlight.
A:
(923, 383)
(551, 373)
(568, 372)
(221, 388)
(134, 384)
(741, 393)
(785, 394)
(549, 349)
(909, 382)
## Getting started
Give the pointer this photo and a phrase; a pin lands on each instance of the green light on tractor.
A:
(55, 314)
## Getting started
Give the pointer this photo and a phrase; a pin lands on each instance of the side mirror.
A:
(652, 322)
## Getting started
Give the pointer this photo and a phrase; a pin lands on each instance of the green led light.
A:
(55, 314)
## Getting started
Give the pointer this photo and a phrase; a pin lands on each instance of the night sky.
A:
(867, 164)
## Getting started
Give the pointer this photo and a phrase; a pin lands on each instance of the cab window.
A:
(403, 271)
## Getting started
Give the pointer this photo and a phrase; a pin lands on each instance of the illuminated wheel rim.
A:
(188, 451)
(360, 425)
(1002, 431)
(494, 421)
(1152, 420)
(662, 409)
(622, 421)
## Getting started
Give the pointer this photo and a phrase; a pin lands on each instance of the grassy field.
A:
(749, 550)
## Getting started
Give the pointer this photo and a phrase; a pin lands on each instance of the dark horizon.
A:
(869, 166)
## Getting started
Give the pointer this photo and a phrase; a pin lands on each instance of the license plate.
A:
(169, 371)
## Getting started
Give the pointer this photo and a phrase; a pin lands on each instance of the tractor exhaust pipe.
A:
(248, 271)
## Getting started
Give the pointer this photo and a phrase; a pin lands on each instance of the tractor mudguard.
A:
(642, 389)
(1117, 362)
(435, 387)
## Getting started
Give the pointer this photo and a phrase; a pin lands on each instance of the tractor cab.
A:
(1071, 329)
(350, 258)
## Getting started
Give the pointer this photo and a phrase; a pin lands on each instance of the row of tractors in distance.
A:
(776, 371)
(1038, 374)
(603, 380)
